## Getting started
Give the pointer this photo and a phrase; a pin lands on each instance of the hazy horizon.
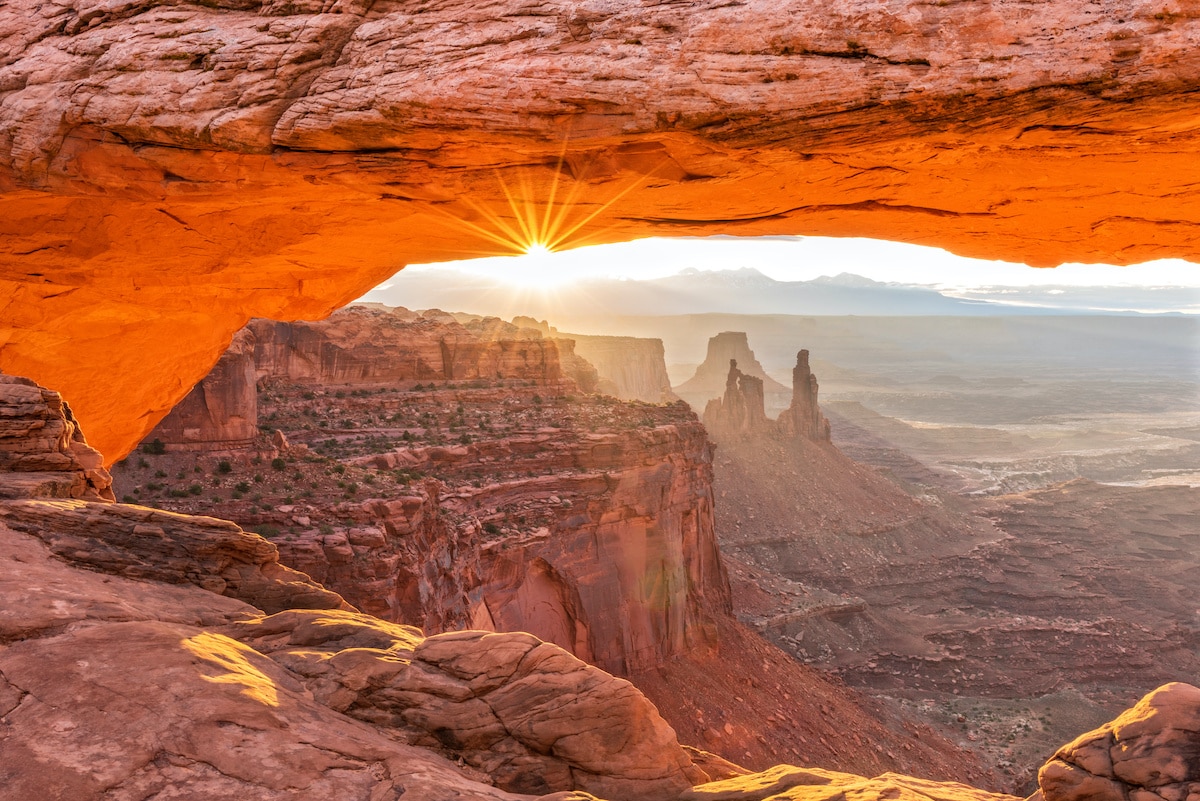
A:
(722, 274)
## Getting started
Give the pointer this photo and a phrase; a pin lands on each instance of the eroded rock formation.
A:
(630, 368)
(712, 376)
(803, 417)
(1151, 751)
(43, 452)
(741, 409)
(601, 542)
(363, 345)
(170, 170)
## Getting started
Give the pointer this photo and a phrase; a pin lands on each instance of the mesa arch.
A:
(168, 170)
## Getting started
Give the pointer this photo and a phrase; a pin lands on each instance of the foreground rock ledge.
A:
(138, 659)
(168, 170)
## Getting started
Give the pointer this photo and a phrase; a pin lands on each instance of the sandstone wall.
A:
(624, 570)
(371, 345)
(630, 368)
(221, 412)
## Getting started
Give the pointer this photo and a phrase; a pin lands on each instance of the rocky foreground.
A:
(150, 654)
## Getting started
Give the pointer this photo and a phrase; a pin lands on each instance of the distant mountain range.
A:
(748, 291)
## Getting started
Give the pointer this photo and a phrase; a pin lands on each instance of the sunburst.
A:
(537, 224)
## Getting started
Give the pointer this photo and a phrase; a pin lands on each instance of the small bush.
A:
(242, 487)
(195, 489)
(155, 447)
(278, 463)
(224, 466)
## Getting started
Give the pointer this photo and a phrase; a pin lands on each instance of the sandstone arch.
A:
(168, 170)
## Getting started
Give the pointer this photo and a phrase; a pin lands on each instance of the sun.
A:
(537, 250)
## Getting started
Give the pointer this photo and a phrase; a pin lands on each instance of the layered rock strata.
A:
(43, 452)
(356, 346)
(602, 543)
(363, 345)
(630, 368)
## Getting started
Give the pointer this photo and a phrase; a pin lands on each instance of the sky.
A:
(804, 258)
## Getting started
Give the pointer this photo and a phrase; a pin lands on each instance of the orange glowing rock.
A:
(169, 171)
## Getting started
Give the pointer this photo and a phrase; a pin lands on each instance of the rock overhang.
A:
(169, 170)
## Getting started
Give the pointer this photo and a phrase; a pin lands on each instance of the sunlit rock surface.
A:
(1151, 751)
(170, 170)
(43, 452)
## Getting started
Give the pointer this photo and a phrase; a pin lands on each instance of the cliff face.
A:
(630, 368)
(601, 543)
(221, 412)
(43, 452)
(368, 345)
(586, 521)
(354, 347)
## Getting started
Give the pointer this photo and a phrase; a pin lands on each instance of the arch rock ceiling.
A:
(168, 170)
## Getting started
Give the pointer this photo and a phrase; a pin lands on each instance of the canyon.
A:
(170, 171)
(251, 678)
(516, 504)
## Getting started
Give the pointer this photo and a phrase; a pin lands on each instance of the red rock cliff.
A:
(221, 412)
(611, 553)
(370, 345)
(630, 368)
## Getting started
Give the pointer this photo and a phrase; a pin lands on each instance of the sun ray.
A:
(534, 226)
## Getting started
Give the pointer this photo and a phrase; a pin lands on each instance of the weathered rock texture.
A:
(614, 557)
(741, 409)
(1150, 752)
(113, 688)
(530, 716)
(712, 376)
(171, 170)
(43, 452)
(132, 663)
(221, 412)
(630, 368)
(142, 543)
(363, 345)
(803, 418)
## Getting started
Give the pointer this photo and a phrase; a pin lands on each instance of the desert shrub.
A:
(155, 447)
(224, 466)
(278, 463)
